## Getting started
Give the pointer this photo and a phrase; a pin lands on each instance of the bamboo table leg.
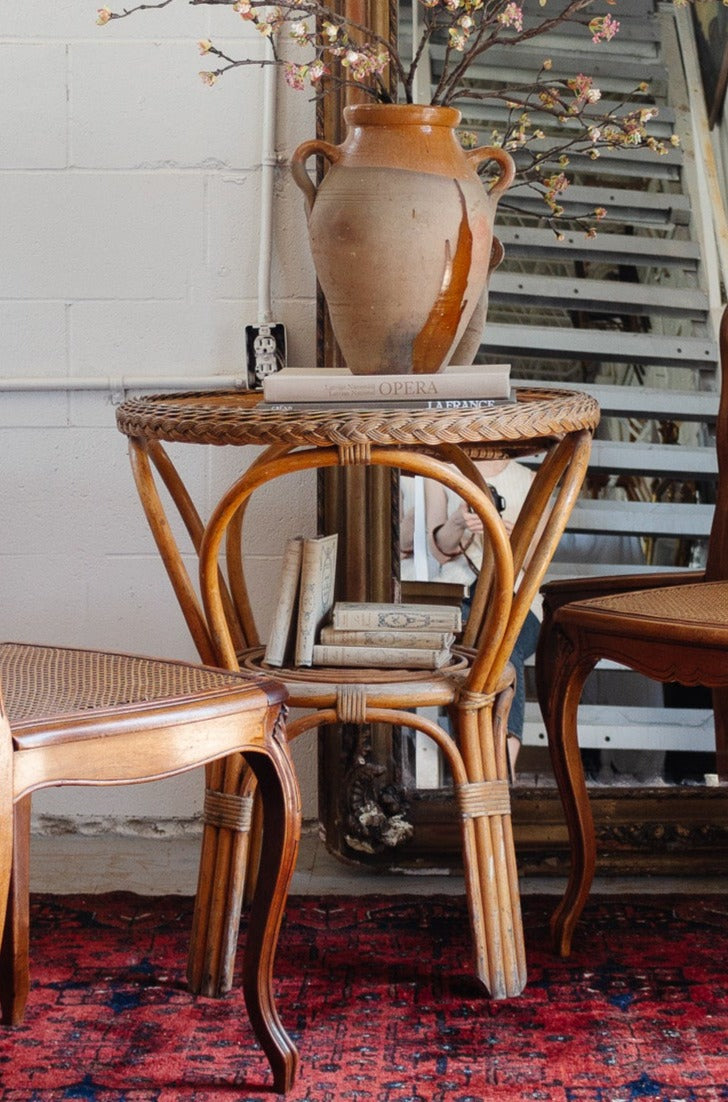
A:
(500, 957)
(219, 897)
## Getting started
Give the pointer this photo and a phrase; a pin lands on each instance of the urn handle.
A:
(298, 166)
(507, 166)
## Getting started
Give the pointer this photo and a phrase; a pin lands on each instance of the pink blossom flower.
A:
(104, 15)
(584, 91)
(603, 28)
(317, 71)
(458, 39)
(208, 78)
(204, 45)
(299, 31)
(294, 75)
(512, 16)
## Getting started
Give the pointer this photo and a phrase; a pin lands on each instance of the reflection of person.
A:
(456, 540)
(406, 527)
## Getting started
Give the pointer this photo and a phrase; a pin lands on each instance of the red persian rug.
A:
(378, 995)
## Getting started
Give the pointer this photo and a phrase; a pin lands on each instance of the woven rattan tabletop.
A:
(534, 418)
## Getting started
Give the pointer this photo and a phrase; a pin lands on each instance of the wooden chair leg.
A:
(14, 948)
(560, 707)
(281, 832)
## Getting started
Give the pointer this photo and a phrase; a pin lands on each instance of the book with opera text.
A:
(316, 593)
(333, 384)
(381, 657)
(404, 617)
(279, 651)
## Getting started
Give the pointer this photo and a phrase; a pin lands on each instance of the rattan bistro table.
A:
(439, 444)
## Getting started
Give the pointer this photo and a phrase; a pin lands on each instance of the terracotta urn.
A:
(401, 232)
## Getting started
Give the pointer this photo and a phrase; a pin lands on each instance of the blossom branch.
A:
(342, 52)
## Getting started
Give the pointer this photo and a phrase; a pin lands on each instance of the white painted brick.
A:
(74, 491)
(159, 800)
(44, 593)
(89, 235)
(293, 270)
(233, 203)
(32, 339)
(23, 412)
(96, 409)
(282, 508)
(141, 612)
(76, 19)
(32, 105)
(175, 119)
(147, 338)
(233, 218)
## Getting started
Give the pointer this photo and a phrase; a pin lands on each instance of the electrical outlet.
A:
(265, 350)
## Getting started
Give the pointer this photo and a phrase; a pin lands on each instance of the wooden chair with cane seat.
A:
(672, 627)
(87, 717)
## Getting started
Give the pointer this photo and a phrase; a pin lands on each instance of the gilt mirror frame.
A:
(368, 552)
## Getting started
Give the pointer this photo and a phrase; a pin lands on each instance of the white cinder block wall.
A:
(129, 198)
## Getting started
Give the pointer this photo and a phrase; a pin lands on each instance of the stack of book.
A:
(388, 636)
(298, 388)
(305, 600)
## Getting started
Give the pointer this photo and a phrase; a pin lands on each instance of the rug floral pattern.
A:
(378, 995)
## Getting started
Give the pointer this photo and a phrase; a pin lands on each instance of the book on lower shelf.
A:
(316, 593)
(334, 384)
(305, 599)
(377, 635)
(381, 637)
(381, 657)
(404, 617)
(279, 651)
(364, 405)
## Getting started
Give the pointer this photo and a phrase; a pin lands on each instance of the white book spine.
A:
(281, 632)
(360, 617)
(482, 381)
(427, 640)
(380, 657)
(318, 575)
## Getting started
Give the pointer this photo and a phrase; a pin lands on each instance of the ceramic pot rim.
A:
(401, 114)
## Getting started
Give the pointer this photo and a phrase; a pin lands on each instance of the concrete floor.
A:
(91, 864)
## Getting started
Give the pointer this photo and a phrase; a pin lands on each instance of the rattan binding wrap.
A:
(227, 809)
(232, 418)
(483, 798)
(46, 682)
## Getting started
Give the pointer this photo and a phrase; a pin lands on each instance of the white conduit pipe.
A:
(121, 383)
(268, 166)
